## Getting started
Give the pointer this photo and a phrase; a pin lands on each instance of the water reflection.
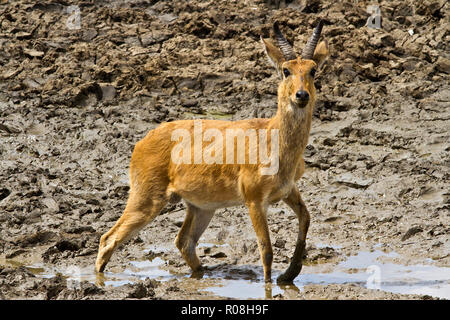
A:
(367, 269)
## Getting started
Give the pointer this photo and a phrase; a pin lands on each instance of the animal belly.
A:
(213, 205)
(210, 200)
(207, 193)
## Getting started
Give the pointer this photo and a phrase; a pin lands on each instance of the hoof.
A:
(285, 279)
(100, 267)
(198, 273)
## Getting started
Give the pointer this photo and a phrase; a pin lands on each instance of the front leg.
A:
(259, 220)
(295, 201)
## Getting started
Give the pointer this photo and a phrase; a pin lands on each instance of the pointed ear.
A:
(321, 53)
(274, 54)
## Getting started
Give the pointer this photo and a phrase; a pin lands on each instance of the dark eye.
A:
(313, 72)
(286, 72)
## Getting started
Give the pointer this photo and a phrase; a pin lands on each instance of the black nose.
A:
(302, 95)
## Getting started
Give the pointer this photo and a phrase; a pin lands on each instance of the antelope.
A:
(155, 179)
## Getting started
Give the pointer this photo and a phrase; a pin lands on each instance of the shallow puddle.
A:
(366, 269)
(136, 270)
(245, 289)
(116, 276)
(372, 270)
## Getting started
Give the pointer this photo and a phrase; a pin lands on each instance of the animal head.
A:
(297, 73)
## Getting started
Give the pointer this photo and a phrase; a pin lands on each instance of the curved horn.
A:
(310, 46)
(285, 47)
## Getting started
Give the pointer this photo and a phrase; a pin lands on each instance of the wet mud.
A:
(74, 101)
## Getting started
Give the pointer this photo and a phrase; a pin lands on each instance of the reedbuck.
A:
(157, 176)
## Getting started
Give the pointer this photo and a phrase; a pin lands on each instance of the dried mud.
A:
(73, 102)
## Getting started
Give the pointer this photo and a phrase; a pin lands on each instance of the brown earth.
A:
(73, 102)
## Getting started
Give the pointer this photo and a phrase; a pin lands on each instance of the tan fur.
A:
(155, 179)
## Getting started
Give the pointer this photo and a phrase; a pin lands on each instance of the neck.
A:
(294, 125)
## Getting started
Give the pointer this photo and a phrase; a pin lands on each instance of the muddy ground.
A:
(74, 101)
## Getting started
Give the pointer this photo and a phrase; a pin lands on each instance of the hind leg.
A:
(137, 214)
(194, 225)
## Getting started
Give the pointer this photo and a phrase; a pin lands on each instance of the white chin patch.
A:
(295, 110)
(291, 108)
